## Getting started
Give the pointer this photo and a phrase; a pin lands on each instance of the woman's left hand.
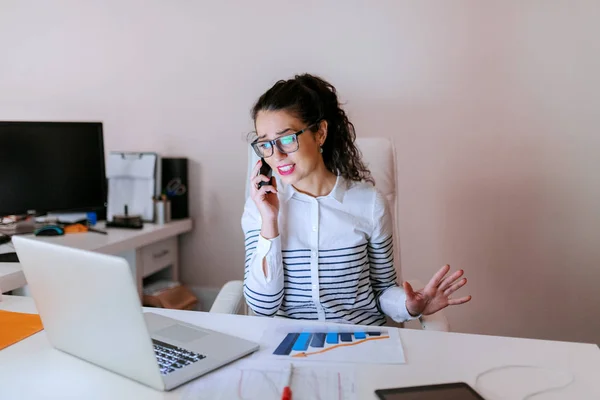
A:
(436, 294)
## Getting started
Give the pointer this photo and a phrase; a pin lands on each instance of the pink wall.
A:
(493, 108)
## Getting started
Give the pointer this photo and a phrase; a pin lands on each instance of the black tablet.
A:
(447, 391)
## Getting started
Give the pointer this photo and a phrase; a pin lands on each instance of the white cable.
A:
(530, 395)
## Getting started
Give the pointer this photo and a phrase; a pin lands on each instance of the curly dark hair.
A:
(312, 100)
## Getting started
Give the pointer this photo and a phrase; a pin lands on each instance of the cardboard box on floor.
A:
(171, 295)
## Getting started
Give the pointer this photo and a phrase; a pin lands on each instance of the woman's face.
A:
(291, 167)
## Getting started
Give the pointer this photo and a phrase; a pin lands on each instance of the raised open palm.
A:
(436, 294)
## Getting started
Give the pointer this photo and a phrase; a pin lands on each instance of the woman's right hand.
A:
(265, 198)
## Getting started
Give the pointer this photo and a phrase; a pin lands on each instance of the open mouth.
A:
(286, 169)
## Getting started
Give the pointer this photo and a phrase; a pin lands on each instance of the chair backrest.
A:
(379, 154)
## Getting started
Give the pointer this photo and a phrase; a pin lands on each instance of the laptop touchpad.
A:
(180, 333)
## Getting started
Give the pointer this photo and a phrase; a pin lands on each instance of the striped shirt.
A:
(333, 259)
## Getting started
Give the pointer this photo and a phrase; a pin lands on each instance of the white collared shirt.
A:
(333, 258)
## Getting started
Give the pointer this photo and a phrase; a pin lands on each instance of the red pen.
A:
(287, 390)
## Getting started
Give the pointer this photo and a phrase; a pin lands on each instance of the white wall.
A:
(494, 107)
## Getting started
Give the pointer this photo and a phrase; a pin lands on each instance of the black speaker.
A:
(174, 178)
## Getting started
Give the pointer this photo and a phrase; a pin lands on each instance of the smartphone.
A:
(448, 391)
(265, 170)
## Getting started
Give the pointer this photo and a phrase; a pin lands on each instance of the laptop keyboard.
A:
(171, 358)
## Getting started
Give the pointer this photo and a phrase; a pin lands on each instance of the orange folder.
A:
(15, 327)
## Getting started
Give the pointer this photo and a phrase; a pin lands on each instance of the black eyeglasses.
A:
(286, 144)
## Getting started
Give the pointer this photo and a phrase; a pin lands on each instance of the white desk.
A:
(31, 369)
(147, 250)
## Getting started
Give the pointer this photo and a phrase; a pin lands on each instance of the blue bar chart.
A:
(340, 344)
(303, 344)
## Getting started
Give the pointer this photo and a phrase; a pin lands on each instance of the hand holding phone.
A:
(266, 170)
(264, 193)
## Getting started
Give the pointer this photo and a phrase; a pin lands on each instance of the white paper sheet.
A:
(131, 182)
(135, 193)
(377, 345)
(265, 381)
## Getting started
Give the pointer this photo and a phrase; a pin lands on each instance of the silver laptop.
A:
(90, 308)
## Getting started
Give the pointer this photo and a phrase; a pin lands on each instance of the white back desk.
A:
(148, 250)
(32, 369)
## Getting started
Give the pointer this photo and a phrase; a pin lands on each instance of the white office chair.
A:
(380, 156)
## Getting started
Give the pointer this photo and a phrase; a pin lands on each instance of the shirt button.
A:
(314, 253)
(314, 286)
(314, 228)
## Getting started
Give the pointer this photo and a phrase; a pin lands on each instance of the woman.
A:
(321, 246)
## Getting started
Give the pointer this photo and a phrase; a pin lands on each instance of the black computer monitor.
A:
(51, 166)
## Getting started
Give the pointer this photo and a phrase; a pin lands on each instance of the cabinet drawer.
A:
(158, 256)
